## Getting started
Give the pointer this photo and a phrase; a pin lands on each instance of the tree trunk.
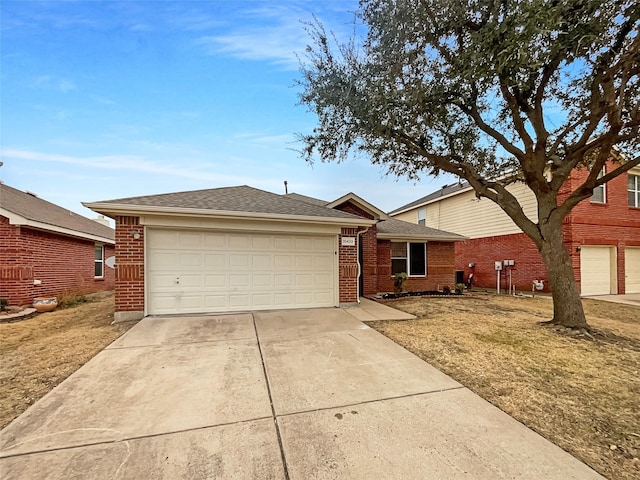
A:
(567, 304)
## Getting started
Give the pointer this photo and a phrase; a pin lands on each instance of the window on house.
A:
(634, 190)
(410, 258)
(599, 193)
(422, 216)
(99, 261)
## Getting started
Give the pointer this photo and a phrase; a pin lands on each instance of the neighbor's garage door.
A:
(208, 271)
(595, 270)
(632, 269)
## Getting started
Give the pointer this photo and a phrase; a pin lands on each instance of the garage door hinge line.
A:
(273, 410)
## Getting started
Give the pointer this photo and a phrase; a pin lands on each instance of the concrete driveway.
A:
(291, 394)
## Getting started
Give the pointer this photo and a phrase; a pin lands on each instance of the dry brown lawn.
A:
(39, 353)
(582, 394)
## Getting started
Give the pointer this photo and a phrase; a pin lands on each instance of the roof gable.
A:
(29, 210)
(359, 202)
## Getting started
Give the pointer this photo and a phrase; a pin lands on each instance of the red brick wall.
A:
(347, 268)
(484, 252)
(440, 268)
(129, 265)
(612, 223)
(369, 261)
(369, 264)
(63, 264)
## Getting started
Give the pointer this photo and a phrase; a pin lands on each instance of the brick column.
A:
(129, 269)
(348, 267)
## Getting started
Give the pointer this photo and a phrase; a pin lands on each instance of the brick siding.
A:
(440, 268)
(347, 268)
(129, 265)
(613, 223)
(63, 264)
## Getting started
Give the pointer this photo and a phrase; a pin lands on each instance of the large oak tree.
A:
(493, 92)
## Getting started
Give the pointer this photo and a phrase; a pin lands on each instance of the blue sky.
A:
(103, 100)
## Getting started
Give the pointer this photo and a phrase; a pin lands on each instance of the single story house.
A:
(47, 250)
(240, 248)
(601, 234)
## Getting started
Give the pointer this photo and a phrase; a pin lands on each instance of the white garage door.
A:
(632, 270)
(596, 270)
(191, 271)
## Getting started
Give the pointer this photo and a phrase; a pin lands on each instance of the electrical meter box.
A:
(498, 265)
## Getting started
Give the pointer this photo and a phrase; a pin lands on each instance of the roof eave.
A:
(430, 238)
(110, 209)
(433, 200)
(15, 219)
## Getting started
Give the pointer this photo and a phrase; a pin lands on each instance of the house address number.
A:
(348, 241)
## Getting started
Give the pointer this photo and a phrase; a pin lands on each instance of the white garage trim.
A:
(598, 270)
(632, 269)
(208, 271)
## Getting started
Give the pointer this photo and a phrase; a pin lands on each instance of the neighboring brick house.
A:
(240, 248)
(46, 250)
(601, 234)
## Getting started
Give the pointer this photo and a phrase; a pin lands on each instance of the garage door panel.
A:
(303, 261)
(596, 270)
(215, 241)
(216, 301)
(190, 240)
(190, 260)
(216, 281)
(282, 261)
(632, 269)
(215, 260)
(240, 301)
(240, 242)
(165, 259)
(163, 239)
(283, 243)
(262, 280)
(220, 271)
(262, 261)
(262, 300)
(238, 261)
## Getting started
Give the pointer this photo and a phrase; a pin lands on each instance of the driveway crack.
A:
(273, 410)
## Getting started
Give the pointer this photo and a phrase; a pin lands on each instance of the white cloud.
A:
(133, 163)
(50, 82)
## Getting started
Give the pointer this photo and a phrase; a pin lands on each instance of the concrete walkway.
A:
(627, 299)
(294, 394)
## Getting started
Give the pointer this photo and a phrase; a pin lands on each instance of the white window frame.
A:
(408, 259)
(635, 190)
(422, 216)
(98, 261)
(603, 187)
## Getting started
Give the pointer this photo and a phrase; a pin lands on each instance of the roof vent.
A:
(101, 220)
(30, 193)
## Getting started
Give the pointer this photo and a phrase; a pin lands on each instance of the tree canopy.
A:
(491, 91)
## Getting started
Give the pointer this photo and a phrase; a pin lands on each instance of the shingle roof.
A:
(233, 199)
(38, 210)
(444, 191)
(401, 228)
(305, 198)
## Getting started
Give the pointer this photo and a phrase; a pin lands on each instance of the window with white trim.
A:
(422, 216)
(634, 190)
(410, 258)
(599, 193)
(99, 261)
